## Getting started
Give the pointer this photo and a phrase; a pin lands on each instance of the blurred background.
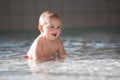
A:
(23, 15)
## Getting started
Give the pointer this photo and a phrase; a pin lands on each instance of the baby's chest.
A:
(50, 49)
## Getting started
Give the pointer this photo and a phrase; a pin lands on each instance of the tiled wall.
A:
(24, 14)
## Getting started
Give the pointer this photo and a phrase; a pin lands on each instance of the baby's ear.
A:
(40, 27)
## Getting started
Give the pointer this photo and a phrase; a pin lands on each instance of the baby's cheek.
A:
(59, 33)
(49, 31)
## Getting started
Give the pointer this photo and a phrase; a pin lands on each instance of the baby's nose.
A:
(56, 29)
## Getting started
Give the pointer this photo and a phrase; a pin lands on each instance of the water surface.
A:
(94, 56)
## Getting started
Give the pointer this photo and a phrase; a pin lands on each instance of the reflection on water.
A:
(93, 57)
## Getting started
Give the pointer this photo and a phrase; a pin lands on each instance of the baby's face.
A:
(52, 29)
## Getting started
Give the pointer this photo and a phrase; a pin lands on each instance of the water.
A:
(94, 56)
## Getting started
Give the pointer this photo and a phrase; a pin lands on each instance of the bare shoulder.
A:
(38, 40)
(34, 45)
(59, 41)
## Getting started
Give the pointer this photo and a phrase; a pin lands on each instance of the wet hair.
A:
(47, 15)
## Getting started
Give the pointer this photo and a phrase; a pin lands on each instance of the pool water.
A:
(94, 56)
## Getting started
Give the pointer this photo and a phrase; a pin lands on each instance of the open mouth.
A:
(54, 34)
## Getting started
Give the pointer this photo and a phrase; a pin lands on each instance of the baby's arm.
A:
(35, 50)
(61, 51)
(62, 54)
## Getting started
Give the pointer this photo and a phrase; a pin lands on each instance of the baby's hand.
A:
(67, 59)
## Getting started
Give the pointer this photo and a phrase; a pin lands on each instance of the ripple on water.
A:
(90, 60)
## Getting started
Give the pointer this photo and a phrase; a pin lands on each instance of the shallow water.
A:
(93, 57)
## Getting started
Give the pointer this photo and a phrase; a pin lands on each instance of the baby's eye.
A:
(58, 27)
(52, 26)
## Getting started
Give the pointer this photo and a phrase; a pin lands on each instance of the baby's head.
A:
(49, 24)
(45, 16)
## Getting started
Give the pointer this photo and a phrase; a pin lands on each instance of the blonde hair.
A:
(47, 15)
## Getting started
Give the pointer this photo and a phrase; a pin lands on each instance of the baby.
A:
(47, 44)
